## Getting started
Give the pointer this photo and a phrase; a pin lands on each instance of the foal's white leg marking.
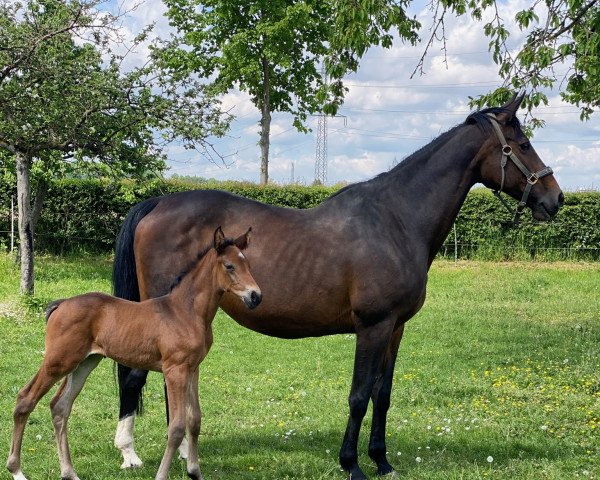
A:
(184, 449)
(124, 442)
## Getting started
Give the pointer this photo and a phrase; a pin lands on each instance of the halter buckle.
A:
(532, 180)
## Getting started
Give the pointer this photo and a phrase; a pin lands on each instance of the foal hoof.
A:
(131, 461)
(195, 475)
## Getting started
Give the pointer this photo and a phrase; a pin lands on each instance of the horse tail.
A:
(51, 307)
(124, 276)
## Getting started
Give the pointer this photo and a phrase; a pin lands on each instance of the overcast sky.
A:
(387, 115)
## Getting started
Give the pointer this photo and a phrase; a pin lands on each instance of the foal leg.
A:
(130, 392)
(178, 384)
(193, 416)
(28, 398)
(61, 405)
(380, 396)
(371, 344)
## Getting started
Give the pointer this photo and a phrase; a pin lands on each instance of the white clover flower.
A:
(490, 459)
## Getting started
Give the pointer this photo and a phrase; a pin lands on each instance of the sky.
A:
(387, 115)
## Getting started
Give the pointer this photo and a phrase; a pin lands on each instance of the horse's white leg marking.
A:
(19, 476)
(124, 442)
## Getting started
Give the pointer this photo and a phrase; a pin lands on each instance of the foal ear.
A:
(219, 238)
(510, 108)
(242, 241)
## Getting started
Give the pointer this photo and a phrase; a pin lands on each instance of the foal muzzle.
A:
(252, 299)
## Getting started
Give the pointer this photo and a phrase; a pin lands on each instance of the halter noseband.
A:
(532, 177)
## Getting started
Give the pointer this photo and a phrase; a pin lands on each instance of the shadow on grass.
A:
(258, 455)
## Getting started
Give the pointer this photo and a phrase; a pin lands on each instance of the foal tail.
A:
(124, 277)
(51, 307)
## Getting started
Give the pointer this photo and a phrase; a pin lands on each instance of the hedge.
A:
(85, 215)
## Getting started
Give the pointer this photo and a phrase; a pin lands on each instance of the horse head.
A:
(508, 163)
(233, 269)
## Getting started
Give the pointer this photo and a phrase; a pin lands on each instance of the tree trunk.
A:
(25, 222)
(40, 195)
(265, 124)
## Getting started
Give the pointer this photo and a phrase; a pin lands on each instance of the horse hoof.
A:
(393, 475)
(357, 476)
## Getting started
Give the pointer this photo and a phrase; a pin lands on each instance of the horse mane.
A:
(479, 118)
(224, 244)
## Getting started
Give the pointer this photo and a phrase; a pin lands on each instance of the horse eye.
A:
(525, 146)
(229, 267)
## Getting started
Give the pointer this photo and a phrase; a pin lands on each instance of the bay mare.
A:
(357, 263)
(171, 334)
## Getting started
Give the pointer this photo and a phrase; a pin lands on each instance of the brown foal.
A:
(171, 334)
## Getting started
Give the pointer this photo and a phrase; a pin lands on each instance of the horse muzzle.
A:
(547, 208)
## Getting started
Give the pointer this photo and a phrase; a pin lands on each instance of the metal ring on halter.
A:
(507, 150)
(532, 180)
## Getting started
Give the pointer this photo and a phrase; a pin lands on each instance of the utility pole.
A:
(321, 151)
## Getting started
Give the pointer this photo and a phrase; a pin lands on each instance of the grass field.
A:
(498, 377)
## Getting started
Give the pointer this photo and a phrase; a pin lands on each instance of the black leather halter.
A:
(532, 177)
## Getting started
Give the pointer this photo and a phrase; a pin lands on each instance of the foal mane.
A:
(224, 244)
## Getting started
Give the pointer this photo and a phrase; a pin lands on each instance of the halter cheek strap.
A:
(532, 177)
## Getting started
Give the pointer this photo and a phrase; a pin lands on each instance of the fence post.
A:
(455, 245)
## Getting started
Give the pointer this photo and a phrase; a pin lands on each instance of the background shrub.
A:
(85, 215)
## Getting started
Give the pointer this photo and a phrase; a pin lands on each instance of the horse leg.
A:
(178, 384)
(131, 382)
(193, 428)
(61, 405)
(380, 396)
(28, 398)
(371, 345)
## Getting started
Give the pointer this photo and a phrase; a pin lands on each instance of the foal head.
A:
(233, 270)
(508, 163)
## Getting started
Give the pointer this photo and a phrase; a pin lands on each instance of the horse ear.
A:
(510, 108)
(218, 238)
(242, 241)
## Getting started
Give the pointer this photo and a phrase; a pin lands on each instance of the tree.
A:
(66, 106)
(557, 33)
(272, 50)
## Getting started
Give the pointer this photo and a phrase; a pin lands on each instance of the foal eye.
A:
(525, 146)
(229, 267)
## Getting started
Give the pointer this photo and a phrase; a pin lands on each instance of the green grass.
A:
(503, 361)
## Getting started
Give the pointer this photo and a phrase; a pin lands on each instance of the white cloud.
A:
(389, 115)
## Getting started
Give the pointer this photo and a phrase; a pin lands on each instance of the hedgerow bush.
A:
(85, 215)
